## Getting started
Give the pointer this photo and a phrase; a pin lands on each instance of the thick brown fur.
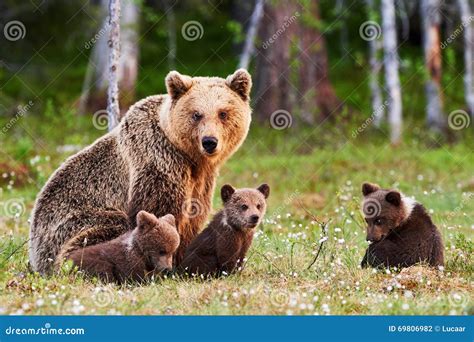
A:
(222, 246)
(154, 161)
(134, 255)
(400, 229)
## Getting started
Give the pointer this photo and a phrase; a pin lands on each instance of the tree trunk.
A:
(391, 70)
(171, 28)
(114, 56)
(273, 60)
(314, 62)
(249, 47)
(431, 19)
(94, 94)
(466, 19)
(378, 110)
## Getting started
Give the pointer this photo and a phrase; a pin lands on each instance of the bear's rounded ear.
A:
(240, 82)
(177, 84)
(226, 192)
(264, 189)
(368, 188)
(394, 197)
(145, 219)
(169, 219)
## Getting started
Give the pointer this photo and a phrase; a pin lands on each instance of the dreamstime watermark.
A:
(192, 30)
(457, 32)
(90, 43)
(286, 23)
(22, 110)
(192, 208)
(370, 30)
(279, 298)
(461, 205)
(14, 30)
(100, 119)
(458, 299)
(46, 330)
(288, 200)
(377, 113)
(281, 119)
(14, 207)
(371, 208)
(458, 119)
(103, 297)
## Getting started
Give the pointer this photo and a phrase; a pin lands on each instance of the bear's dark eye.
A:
(162, 253)
(258, 206)
(244, 207)
(197, 116)
(223, 115)
(378, 222)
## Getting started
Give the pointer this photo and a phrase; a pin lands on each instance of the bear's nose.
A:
(209, 144)
(254, 218)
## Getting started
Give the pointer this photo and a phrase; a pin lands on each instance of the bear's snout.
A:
(209, 144)
(254, 219)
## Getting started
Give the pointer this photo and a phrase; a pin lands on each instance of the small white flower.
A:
(405, 306)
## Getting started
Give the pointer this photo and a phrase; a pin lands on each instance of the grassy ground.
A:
(319, 171)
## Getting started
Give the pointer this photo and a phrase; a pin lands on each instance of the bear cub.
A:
(222, 246)
(400, 229)
(135, 255)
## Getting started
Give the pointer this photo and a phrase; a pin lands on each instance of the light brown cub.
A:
(222, 246)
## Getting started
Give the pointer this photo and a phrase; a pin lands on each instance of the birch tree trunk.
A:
(466, 21)
(378, 110)
(431, 19)
(94, 94)
(114, 56)
(249, 47)
(391, 70)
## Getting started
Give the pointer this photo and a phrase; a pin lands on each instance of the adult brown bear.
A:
(163, 158)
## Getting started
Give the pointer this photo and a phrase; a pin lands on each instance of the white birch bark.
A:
(467, 22)
(378, 109)
(430, 17)
(249, 49)
(113, 109)
(391, 70)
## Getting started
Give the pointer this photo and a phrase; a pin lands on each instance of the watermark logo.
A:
(100, 119)
(459, 119)
(14, 30)
(286, 24)
(103, 297)
(14, 207)
(281, 119)
(192, 208)
(371, 208)
(370, 30)
(192, 30)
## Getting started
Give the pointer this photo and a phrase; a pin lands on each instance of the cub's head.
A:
(384, 210)
(207, 117)
(244, 208)
(157, 238)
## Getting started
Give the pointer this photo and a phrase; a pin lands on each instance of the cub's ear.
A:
(145, 219)
(177, 84)
(240, 82)
(226, 192)
(169, 219)
(264, 189)
(394, 197)
(368, 188)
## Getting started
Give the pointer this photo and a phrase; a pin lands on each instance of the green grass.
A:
(319, 171)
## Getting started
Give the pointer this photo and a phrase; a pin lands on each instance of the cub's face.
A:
(208, 117)
(383, 211)
(244, 208)
(158, 238)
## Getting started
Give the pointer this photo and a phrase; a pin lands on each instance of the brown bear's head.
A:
(384, 210)
(157, 239)
(207, 117)
(244, 208)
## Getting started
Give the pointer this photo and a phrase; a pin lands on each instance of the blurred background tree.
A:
(310, 59)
